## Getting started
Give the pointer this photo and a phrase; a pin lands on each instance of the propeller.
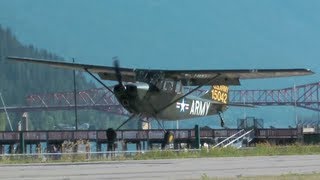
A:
(117, 70)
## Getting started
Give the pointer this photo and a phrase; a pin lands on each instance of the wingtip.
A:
(11, 58)
(306, 71)
(25, 59)
(15, 58)
(309, 71)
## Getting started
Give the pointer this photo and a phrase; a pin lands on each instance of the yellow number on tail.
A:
(220, 93)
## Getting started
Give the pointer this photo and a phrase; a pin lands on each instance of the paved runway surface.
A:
(166, 169)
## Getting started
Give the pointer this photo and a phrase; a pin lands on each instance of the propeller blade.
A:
(117, 69)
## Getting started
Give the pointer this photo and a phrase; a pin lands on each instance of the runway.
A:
(165, 169)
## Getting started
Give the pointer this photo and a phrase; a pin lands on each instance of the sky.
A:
(175, 34)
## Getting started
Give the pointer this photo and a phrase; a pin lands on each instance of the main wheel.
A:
(111, 135)
(168, 139)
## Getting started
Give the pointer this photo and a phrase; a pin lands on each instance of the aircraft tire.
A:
(168, 139)
(111, 135)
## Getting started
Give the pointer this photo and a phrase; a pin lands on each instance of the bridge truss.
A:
(304, 96)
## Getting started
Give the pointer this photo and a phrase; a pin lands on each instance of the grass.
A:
(259, 150)
(264, 150)
(312, 176)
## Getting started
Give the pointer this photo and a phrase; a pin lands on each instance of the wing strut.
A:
(98, 80)
(131, 117)
(193, 90)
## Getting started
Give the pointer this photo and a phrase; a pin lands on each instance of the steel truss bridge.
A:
(304, 96)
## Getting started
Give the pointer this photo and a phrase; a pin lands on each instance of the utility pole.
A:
(75, 97)
(5, 110)
(295, 103)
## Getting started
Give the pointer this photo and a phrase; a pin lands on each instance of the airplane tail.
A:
(219, 93)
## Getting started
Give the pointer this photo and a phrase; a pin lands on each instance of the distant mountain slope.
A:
(18, 79)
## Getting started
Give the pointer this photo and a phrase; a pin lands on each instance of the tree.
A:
(21, 79)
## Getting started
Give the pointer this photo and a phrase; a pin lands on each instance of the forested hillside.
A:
(20, 79)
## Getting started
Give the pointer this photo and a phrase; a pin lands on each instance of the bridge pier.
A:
(2, 149)
(138, 146)
(11, 149)
(39, 148)
(124, 146)
(30, 148)
(144, 145)
(98, 146)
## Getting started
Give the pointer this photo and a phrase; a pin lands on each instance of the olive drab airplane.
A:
(158, 94)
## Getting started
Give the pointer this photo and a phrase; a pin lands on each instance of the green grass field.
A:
(313, 176)
(259, 150)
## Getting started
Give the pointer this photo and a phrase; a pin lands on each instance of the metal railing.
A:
(93, 156)
(229, 138)
(238, 138)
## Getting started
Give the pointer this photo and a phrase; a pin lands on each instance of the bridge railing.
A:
(304, 96)
(100, 135)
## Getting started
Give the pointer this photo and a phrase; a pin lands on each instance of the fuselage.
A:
(190, 107)
(148, 101)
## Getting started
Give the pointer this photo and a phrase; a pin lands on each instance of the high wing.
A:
(105, 72)
(187, 77)
(230, 76)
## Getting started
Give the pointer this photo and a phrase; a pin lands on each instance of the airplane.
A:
(158, 94)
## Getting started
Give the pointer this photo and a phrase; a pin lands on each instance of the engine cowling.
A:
(129, 94)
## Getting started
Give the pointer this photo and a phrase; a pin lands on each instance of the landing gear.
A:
(168, 136)
(111, 135)
(111, 138)
(221, 119)
(168, 139)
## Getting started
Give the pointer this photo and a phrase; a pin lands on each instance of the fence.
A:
(94, 156)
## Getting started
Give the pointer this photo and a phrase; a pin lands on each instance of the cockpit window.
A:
(168, 86)
(172, 86)
(178, 87)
